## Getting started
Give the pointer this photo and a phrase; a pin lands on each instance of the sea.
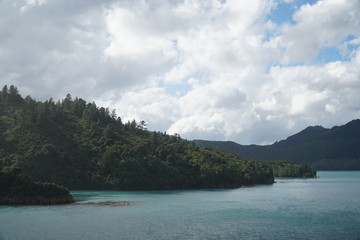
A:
(327, 207)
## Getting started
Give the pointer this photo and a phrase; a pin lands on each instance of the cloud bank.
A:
(205, 69)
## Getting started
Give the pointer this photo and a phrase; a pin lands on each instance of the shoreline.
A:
(33, 201)
(173, 188)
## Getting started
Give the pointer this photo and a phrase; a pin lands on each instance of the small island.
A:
(286, 169)
(19, 190)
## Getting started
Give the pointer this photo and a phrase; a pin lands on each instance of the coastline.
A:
(38, 200)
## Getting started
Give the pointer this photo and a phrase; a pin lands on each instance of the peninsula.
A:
(19, 190)
(85, 147)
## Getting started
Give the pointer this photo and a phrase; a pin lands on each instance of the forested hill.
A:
(337, 148)
(83, 146)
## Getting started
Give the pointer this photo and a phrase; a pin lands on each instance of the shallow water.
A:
(323, 208)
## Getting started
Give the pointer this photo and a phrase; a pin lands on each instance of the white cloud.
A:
(32, 3)
(318, 94)
(226, 58)
(355, 41)
(331, 108)
(324, 24)
(132, 38)
(153, 105)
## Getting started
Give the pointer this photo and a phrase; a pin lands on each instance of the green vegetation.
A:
(16, 189)
(83, 146)
(286, 169)
(321, 148)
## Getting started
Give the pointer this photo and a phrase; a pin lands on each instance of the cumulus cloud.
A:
(321, 25)
(314, 94)
(206, 69)
(153, 105)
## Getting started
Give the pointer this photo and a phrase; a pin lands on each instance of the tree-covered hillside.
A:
(337, 148)
(286, 169)
(83, 146)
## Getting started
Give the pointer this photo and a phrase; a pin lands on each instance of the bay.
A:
(327, 207)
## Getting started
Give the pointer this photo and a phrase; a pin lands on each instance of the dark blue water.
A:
(323, 208)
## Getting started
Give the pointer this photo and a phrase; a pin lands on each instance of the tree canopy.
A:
(82, 146)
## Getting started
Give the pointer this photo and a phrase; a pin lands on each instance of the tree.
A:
(142, 125)
(4, 90)
(66, 103)
(13, 95)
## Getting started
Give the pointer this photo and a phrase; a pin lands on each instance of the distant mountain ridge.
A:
(308, 134)
(337, 148)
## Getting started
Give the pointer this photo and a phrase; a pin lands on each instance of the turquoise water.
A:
(323, 208)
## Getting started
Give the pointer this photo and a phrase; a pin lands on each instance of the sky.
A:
(249, 71)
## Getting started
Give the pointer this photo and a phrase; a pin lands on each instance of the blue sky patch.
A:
(177, 90)
(329, 54)
(283, 11)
